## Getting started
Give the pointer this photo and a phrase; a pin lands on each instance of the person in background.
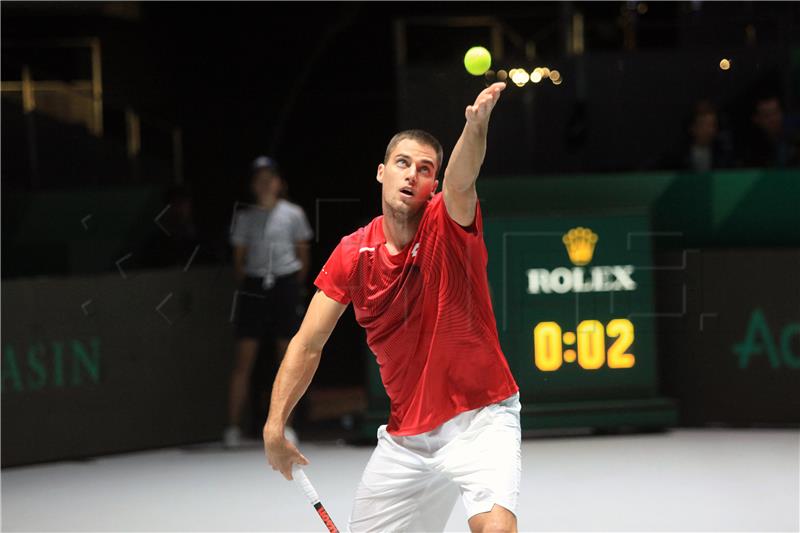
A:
(270, 242)
(179, 221)
(705, 148)
(176, 241)
(770, 144)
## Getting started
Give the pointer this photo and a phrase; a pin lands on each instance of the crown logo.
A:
(580, 244)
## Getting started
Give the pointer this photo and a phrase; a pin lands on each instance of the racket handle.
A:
(302, 480)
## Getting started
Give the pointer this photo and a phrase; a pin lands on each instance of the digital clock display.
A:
(573, 295)
(590, 341)
(575, 309)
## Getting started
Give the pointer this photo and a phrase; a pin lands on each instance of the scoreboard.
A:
(573, 299)
(571, 275)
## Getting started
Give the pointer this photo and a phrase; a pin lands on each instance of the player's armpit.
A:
(460, 205)
(321, 317)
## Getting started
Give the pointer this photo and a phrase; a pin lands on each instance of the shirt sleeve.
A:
(334, 278)
(239, 229)
(465, 242)
(443, 218)
(301, 231)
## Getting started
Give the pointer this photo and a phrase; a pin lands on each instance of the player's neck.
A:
(399, 229)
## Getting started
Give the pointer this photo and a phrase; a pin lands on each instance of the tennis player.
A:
(416, 277)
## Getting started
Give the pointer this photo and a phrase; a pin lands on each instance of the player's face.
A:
(769, 116)
(705, 129)
(408, 176)
(266, 185)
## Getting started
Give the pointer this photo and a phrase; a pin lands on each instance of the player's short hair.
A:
(422, 137)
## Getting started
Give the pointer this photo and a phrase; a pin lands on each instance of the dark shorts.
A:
(261, 312)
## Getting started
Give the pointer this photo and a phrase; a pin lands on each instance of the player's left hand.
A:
(479, 112)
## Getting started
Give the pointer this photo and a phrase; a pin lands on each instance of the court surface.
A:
(684, 480)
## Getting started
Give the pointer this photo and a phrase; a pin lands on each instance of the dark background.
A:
(321, 87)
(316, 86)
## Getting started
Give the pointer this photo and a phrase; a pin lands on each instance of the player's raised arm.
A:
(298, 367)
(466, 159)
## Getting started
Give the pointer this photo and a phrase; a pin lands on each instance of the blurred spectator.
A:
(270, 242)
(705, 148)
(176, 240)
(770, 143)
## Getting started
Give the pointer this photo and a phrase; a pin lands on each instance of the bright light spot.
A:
(545, 72)
(555, 76)
(536, 75)
(519, 77)
(556, 82)
(725, 64)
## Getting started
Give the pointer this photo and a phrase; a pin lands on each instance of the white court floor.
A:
(686, 480)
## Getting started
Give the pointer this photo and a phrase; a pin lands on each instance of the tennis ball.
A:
(477, 60)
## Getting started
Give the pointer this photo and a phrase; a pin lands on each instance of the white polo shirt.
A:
(270, 236)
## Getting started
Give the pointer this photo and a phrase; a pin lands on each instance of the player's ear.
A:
(435, 188)
(379, 175)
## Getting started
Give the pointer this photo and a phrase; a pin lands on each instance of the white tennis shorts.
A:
(412, 483)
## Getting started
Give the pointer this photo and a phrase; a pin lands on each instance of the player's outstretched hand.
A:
(480, 111)
(282, 454)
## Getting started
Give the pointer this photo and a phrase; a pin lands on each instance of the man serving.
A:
(416, 277)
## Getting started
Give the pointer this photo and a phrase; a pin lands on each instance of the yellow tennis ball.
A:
(477, 60)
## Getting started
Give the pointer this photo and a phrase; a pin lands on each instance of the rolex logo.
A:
(580, 244)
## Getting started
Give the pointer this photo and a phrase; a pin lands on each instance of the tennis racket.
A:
(302, 480)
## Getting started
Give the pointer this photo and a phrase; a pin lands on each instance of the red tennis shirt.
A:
(428, 317)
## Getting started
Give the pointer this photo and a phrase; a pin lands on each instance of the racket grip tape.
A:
(308, 489)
